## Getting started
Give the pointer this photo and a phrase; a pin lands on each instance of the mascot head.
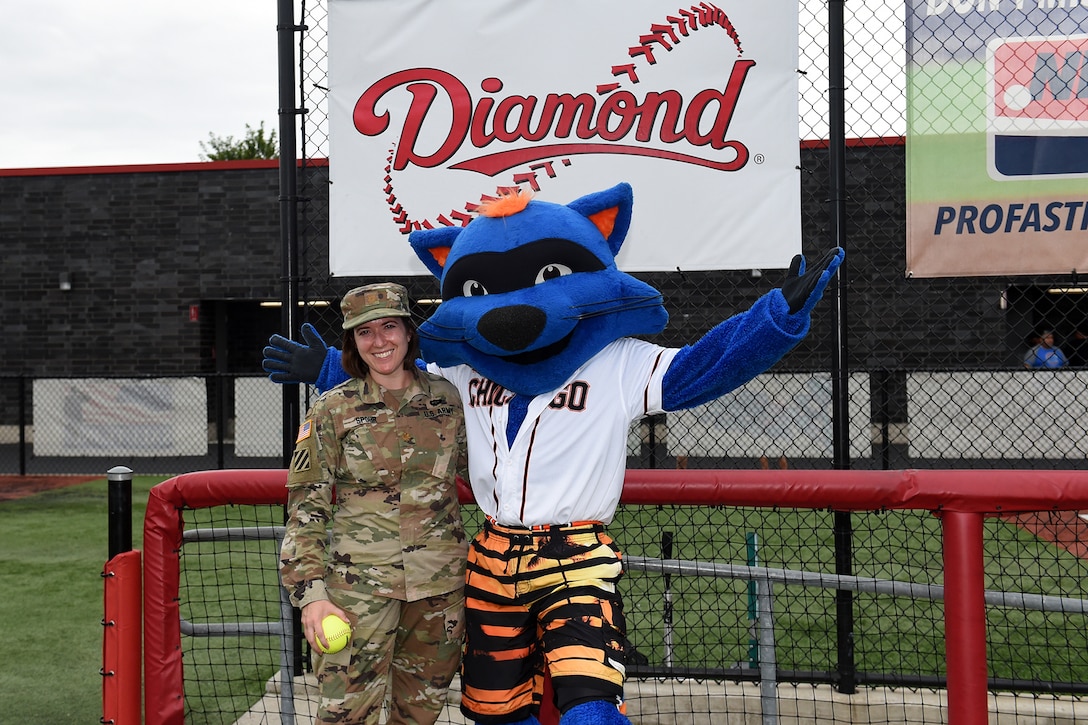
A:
(530, 289)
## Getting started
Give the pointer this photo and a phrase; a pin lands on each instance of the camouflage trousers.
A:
(402, 655)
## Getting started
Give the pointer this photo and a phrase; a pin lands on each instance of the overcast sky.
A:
(117, 82)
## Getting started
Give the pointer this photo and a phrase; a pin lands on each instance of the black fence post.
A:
(22, 425)
(840, 389)
(120, 507)
(220, 419)
(288, 113)
(883, 380)
(286, 27)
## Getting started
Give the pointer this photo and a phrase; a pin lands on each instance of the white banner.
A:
(120, 417)
(434, 105)
(258, 417)
(776, 414)
(998, 414)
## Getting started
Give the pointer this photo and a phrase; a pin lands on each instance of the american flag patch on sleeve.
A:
(304, 430)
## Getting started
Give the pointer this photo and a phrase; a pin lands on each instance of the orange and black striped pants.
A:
(541, 598)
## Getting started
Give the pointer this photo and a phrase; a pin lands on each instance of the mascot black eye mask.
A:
(530, 289)
(536, 330)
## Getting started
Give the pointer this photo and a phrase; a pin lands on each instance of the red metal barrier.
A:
(964, 618)
(164, 696)
(961, 497)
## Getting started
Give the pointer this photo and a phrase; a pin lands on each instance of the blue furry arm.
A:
(733, 352)
(332, 372)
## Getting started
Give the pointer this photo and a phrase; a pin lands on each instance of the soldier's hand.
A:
(312, 615)
(803, 289)
(288, 361)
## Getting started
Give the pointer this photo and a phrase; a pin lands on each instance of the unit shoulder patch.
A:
(301, 460)
(305, 467)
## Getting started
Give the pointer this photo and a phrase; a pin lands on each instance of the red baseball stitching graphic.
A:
(661, 37)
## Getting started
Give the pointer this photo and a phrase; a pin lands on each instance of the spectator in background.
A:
(1045, 354)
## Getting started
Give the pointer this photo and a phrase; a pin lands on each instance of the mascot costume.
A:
(535, 330)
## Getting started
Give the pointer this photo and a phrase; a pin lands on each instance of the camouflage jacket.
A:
(376, 487)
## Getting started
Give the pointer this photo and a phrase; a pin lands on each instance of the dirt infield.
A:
(1067, 529)
(12, 487)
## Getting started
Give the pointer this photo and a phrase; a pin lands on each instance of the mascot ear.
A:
(610, 212)
(432, 246)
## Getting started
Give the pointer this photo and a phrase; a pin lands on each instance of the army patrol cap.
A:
(374, 301)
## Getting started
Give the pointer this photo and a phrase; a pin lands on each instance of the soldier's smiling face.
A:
(383, 345)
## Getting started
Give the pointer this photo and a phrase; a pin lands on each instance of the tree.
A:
(255, 145)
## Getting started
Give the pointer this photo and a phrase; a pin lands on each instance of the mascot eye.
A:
(552, 271)
(472, 288)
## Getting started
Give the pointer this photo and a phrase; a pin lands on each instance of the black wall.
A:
(140, 250)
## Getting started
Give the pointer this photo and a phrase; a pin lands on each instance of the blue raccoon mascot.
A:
(536, 331)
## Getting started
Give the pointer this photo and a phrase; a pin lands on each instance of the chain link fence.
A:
(936, 366)
(155, 426)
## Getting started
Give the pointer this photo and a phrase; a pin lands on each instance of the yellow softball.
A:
(337, 633)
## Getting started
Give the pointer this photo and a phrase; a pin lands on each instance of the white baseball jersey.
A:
(568, 459)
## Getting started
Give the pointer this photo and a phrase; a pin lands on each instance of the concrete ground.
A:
(267, 711)
(691, 702)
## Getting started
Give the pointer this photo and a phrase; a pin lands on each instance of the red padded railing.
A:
(961, 498)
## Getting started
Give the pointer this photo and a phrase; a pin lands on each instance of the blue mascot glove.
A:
(802, 289)
(288, 361)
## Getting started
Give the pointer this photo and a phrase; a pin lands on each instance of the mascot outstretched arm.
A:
(536, 328)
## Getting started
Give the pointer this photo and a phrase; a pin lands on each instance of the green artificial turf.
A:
(53, 547)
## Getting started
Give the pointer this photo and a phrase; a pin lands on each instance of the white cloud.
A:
(131, 81)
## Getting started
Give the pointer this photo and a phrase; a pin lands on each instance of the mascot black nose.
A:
(512, 328)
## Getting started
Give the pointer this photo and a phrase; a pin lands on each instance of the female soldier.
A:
(374, 534)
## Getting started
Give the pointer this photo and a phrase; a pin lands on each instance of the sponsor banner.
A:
(120, 417)
(997, 138)
(1037, 106)
(436, 105)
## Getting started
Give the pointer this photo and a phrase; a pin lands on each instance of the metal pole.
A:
(837, 197)
(965, 618)
(768, 659)
(666, 553)
(120, 509)
(288, 168)
(844, 604)
(222, 366)
(752, 545)
(221, 382)
(289, 658)
(840, 391)
(22, 426)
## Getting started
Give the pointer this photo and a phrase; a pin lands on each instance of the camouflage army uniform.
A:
(373, 477)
